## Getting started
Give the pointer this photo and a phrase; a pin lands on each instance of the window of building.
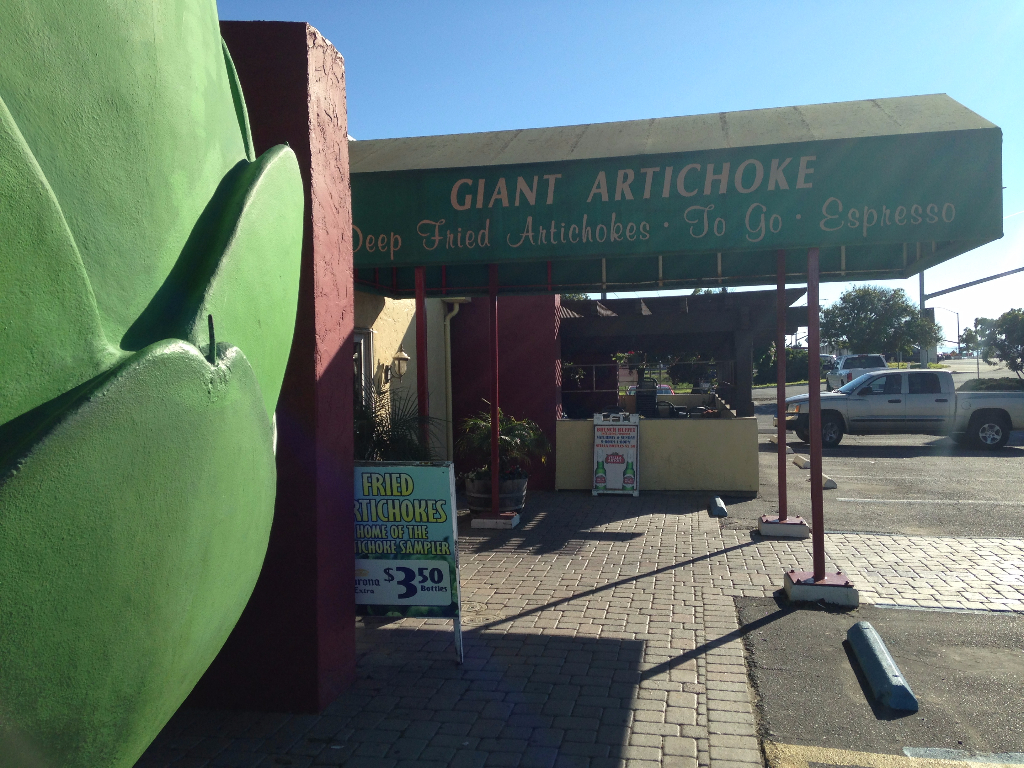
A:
(362, 364)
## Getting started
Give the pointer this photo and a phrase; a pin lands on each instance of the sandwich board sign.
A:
(406, 541)
(616, 454)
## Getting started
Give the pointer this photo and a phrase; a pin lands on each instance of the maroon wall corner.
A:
(529, 359)
(294, 647)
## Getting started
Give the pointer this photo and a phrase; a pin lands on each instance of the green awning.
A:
(885, 188)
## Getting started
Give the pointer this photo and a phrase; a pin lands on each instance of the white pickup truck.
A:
(849, 367)
(911, 402)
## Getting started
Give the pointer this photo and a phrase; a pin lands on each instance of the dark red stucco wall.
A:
(294, 647)
(529, 375)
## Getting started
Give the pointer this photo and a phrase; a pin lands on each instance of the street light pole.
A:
(920, 285)
(957, 326)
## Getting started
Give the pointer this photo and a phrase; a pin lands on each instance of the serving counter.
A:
(675, 454)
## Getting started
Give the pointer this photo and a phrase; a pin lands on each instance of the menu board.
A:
(406, 541)
(616, 439)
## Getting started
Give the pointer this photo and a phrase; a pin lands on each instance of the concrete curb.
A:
(716, 508)
(827, 483)
(884, 677)
(774, 440)
(804, 462)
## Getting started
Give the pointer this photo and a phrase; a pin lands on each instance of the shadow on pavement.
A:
(940, 446)
(519, 699)
(610, 585)
(558, 521)
(704, 648)
(966, 669)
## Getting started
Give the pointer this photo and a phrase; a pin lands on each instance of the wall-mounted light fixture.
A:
(400, 363)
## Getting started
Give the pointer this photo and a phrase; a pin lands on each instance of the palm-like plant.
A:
(520, 441)
(388, 427)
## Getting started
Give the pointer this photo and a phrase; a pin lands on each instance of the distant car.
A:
(849, 367)
(663, 389)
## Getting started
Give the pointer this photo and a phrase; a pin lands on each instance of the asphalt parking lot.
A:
(965, 666)
(966, 669)
(910, 484)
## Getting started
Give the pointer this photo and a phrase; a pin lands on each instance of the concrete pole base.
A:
(834, 589)
(791, 528)
(504, 520)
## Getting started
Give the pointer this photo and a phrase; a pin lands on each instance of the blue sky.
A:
(426, 68)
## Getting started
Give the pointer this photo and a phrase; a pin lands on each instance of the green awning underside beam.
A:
(653, 273)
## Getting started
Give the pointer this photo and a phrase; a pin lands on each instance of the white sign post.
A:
(616, 453)
(407, 542)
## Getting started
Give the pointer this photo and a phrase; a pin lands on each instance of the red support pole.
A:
(814, 408)
(780, 363)
(422, 392)
(492, 304)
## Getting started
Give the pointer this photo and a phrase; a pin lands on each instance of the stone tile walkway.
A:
(892, 570)
(600, 633)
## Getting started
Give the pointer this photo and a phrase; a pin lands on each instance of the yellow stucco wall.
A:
(393, 322)
(675, 455)
(574, 454)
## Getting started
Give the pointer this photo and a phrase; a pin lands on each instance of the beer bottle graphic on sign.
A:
(600, 478)
(629, 477)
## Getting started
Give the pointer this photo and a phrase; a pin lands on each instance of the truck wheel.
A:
(989, 430)
(831, 431)
(802, 436)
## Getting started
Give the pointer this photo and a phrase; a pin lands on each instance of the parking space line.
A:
(882, 477)
(933, 501)
(781, 755)
(1000, 758)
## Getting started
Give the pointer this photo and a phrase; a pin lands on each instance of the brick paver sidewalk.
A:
(600, 633)
(894, 570)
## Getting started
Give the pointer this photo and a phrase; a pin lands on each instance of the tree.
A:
(797, 365)
(1004, 340)
(969, 341)
(870, 318)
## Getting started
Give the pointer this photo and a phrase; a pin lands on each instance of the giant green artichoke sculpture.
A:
(137, 473)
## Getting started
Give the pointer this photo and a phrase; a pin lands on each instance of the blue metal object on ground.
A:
(884, 677)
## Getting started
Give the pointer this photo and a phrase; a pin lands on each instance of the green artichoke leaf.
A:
(241, 265)
(51, 338)
(132, 530)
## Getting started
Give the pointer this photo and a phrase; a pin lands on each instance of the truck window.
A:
(876, 362)
(886, 385)
(925, 384)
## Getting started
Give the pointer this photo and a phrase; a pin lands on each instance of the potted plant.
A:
(520, 441)
(388, 427)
